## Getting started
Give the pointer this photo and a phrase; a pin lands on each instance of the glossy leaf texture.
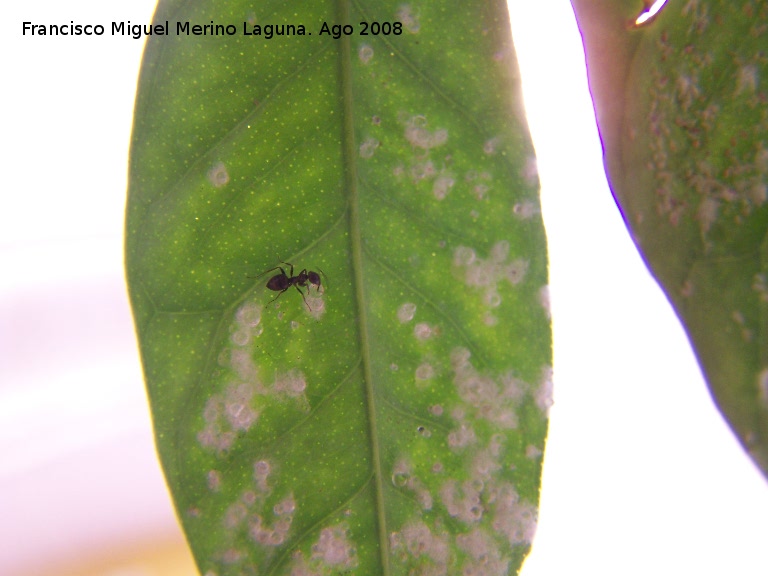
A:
(682, 107)
(388, 414)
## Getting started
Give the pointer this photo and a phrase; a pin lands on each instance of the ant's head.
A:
(314, 278)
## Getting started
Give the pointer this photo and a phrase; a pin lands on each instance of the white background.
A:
(641, 474)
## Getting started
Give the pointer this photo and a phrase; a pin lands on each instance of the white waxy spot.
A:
(747, 80)
(237, 404)
(513, 518)
(494, 401)
(408, 19)
(544, 393)
(490, 147)
(476, 390)
(218, 175)
(462, 502)
(544, 300)
(401, 473)
(707, 213)
(368, 147)
(262, 534)
(760, 285)
(292, 383)
(738, 318)
(248, 498)
(516, 270)
(497, 441)
(261, 470)
(423, 331)
(241, 337)
(417, 541)
(211, 437)
(481, 273)
(460, 358)
(758, 193)
(225, 414)
(500, 252)
(225, 357)
(480, 191)
(492, 299)
(762, 387)
(334, 548)
(285, 507)
(316, 307)
(406, 312)
(235, 515)
(419, 137)
(425, 371)
(212, 409)
(490, 320)
(531, 170)
(483, 467)
(214, 480)
(484, 551)
(422, 171)
(424, 497)
(403, 478)
(463, 256)
(488, 273)
(243, 365)
(525, 210)
(532, 452)
(365, 53)
(462, 437)
(513, 388)
(249, 314)
(231, 556)
(761, 160)
(442, 186)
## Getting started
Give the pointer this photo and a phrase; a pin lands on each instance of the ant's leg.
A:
(288, 264)
(278, 295)
(267, 272)
(303, 298)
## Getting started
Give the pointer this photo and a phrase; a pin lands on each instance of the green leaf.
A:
(682, 108)
(390, 419)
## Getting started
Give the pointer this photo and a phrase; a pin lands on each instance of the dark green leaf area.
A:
(219, 184)
(390, 419)
(695, 190)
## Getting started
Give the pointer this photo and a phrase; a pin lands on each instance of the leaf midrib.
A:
(351, 181)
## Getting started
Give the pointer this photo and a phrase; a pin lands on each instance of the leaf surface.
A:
(682, 107)
(390, 418)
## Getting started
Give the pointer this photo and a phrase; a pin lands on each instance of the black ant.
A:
(282, 282)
